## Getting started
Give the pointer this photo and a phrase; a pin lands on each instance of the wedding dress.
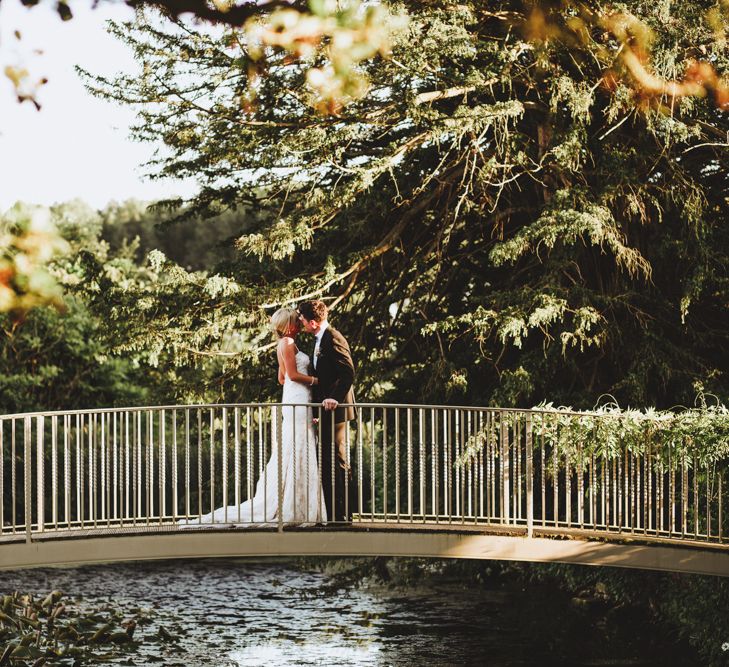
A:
(303, 500)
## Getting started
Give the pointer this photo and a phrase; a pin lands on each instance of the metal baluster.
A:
(481, 507)
(149, 485)
(320, 486)
(106, 429)
(633, 461)
(278, 414)
(372, 463)
(175, 495)
(137, 465)
(435, 508)
(102, 459)
(261, 453)
(517, 468)
(472, 467)
(616, 479)
(580, 487)
(360, 463)
(649, 493)
(127, 478)
(384, 463)
(721, 525)
(116, 469)
(225, 466)
(708, 504)
(92, 469)
(529, 477)
(504, 465)
(696, 497)
(460, 469)
(162, 476)
(27, 463)
(236, 467)
(421, 460)
(307, 462)
(54, 472)
(672, 465)
(489, 467)
(684, 495)
(593, 494)
(40, 482)
(542, 470)
(79, 471)
(250, 464)
(626, 484)
(212, 464)
(249, 455)
(102, 466)
(348, 451)
(410, 462)
(568, 488)
(199, 466)
(448, 489)
(468, 473)
(606, 490)
(13, 474)
(187, 463)
(67, 471)
(660, 480)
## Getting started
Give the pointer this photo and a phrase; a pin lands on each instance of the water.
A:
(231, 613)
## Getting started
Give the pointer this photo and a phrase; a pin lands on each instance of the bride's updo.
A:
(283, 320)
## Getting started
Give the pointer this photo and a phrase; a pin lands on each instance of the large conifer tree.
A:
(508, 215)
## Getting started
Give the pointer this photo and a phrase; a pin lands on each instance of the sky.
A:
(76, 146)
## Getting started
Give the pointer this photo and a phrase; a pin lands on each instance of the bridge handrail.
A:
(191, 406)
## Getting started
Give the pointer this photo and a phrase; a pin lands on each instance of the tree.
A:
(502, 218)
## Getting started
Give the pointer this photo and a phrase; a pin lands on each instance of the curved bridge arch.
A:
(430, 481)
(436, 543)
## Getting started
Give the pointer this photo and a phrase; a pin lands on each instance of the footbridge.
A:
(434, 481)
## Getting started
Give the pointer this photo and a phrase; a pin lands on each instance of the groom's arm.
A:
(343, 368)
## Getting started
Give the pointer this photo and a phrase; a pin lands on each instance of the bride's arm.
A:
(281, 376)
(288, 355)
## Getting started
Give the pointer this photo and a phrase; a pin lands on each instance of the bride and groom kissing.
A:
(315, 474)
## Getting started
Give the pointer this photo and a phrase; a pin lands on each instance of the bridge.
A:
(436, 481)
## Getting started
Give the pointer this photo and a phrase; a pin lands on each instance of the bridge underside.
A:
(63, 549)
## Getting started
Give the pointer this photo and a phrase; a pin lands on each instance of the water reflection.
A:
(231, 613)
(335, 652)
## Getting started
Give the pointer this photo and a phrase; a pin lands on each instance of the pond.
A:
(230, 613)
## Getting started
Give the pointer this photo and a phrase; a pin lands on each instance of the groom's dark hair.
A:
(314, 310)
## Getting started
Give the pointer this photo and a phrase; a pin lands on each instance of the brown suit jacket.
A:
(335, 371)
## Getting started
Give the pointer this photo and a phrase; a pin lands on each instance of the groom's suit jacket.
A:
(335, 370)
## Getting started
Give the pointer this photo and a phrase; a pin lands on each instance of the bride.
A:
(303, 500)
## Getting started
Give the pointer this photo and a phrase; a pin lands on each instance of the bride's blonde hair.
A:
(282, 321)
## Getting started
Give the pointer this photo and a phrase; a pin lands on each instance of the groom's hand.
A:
(330, 404)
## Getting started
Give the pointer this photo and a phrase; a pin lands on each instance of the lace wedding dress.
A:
(303, 500)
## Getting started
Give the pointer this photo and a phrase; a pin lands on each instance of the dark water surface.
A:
(230, 613)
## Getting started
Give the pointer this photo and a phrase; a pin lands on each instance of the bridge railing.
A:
(523, 470)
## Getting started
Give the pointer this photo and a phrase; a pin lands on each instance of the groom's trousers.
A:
(336, 474)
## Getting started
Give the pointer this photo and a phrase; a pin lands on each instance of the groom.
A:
(334, 369)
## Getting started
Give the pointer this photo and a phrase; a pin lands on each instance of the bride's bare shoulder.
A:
(285, 342)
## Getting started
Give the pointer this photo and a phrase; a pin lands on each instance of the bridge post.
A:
(529, 478)
(278, 416)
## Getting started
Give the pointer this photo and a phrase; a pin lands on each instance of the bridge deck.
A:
(384, 539)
